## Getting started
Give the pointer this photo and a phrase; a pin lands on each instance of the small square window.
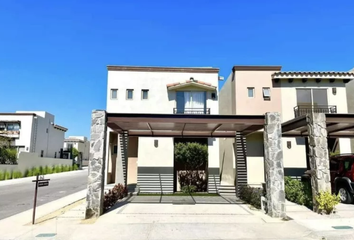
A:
(250, 92)
(144, 94)
(266, 93)
(114, 93)
(130, 93)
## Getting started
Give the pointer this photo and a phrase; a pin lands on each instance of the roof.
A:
(190, 82)
(256, 68)
(18, 114)
(338, 126)
(184, 125)
(164, 69)
(330, 74)
(73, 140)
(60, 127)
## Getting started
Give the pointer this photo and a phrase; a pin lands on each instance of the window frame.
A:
(263, 93)
(248, 92)
(142, 94)
(127, 94)
(114, 89)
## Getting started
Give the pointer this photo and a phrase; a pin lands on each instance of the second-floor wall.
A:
(162, 90)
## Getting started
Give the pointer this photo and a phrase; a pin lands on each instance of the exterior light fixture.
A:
(334, 91)
(288, 144)
(156, 143)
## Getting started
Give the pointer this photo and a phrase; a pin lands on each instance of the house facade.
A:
(34, 132)
(157, 90)
(253, 90)
(350, 100)
(80, 143)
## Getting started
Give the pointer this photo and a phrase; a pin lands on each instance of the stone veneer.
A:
(318, 154)
(96, 169)
(273, 156)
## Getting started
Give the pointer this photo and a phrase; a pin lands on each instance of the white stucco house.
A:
(158, 90)
(80, 143)
(34, 132)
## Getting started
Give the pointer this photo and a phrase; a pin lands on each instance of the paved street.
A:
(16, 198)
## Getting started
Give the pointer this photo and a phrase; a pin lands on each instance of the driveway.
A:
(171, 199)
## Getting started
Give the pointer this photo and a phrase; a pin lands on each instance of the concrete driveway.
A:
(173, 199)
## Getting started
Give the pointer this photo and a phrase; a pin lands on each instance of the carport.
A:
(186, 125)
(318, 127)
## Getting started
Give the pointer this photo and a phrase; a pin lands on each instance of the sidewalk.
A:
(325, 225)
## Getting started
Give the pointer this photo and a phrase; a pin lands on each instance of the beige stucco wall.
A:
(350, 100)
(255, 159)
(256, 105)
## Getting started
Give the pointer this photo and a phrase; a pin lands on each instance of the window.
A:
(114, 93)
(16, 126)
(130, 93)
(2, 126)
(115, 149)
(250, 92)
(10, 127)
(266, 93)
(42, 153)
(144, 94)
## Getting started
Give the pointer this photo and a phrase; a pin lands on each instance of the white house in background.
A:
(350, 99)
(80, 143)
(33, 131)
(158, 90)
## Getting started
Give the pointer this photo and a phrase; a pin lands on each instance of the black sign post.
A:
(40, 182)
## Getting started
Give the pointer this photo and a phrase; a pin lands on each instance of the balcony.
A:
(10, 134)
(303, 110)
(191, 111)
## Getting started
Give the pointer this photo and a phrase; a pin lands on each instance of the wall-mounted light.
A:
(156, 143)
(213, 96)
(334, 91)
(288, 144)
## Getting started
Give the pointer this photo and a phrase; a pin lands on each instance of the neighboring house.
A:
(157, 90)
(33, 131)
(80, 143)
(254, 90)
(350, 99)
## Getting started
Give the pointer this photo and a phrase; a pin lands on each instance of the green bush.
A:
(49, 170)
(58, 169)
(29, 173)
(189, 189)
(17, 174)
(2, 176)
(62, 168)
(251, 195)
(36, 171)
(327, 202)
(298, 192)
(75, 167)
(8, 175)
(70, 168)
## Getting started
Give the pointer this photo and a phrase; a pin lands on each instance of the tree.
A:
(8, 155)
(75, 153)
(192, 156)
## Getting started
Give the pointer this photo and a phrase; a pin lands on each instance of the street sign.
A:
(43, 183)
(40, 182)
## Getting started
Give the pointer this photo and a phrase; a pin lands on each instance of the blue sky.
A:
(53, 54)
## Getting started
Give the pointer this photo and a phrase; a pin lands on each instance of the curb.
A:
(28, 179)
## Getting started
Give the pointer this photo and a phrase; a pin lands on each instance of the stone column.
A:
(96, 169)
(273, 156)
(318, 154)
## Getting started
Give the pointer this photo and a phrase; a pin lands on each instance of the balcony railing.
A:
(304, 109)
(191, 111)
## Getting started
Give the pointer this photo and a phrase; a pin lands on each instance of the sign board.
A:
(43, 183)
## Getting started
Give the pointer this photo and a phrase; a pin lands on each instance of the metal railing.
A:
(301, 110)
(191, 111)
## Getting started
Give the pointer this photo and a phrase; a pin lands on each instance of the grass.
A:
(180, 194)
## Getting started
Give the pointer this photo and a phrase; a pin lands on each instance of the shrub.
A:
(41, 170)
(8, 175)
(58, 169)
(298, 192)
(193, 178)
(17, 174)
(29, 173)
(70, 168)
(112, 196)
(62, 168)
(327, 202)
(49, 170)
(75, 167)
(36, 171)
(251, 195)
(189, 189)
(2, 176)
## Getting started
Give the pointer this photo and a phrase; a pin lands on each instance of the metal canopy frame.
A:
(338, 126)
(184, 125)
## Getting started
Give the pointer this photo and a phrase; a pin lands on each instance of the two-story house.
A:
(350, 99)
(258, 89)
(33, 131)
(157, 90)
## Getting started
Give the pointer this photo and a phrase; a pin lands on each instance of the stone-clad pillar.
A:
(318, 154)
(273, 156)
(96, 169)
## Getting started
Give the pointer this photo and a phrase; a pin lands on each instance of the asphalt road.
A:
(16, 198)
